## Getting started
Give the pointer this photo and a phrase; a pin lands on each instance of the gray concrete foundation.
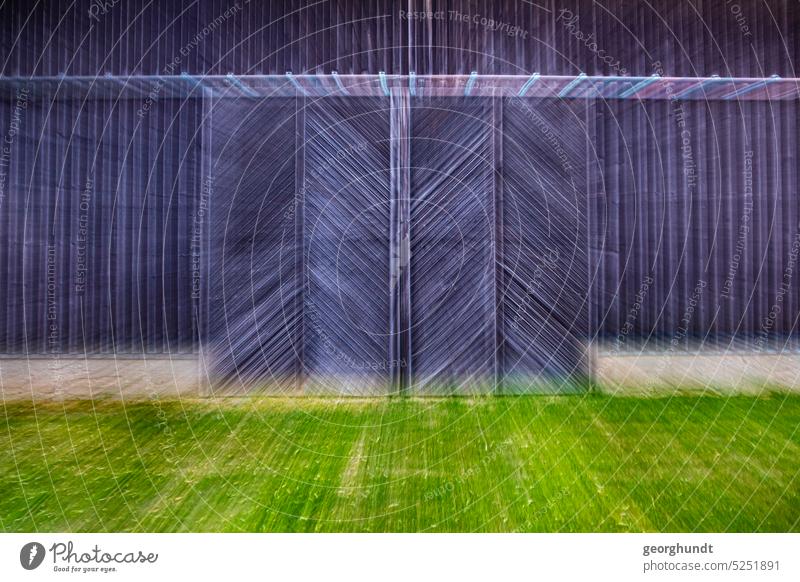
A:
(723, 372)
(95, 377)
(176, 376)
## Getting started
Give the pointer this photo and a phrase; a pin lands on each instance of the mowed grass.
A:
(562, 463)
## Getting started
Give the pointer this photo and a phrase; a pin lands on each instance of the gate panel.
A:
(544, 275)
(346, 232)
(452, 246)
(253, 318)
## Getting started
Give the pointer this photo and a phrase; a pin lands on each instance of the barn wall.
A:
(148, 37)
(696, 225)
(97, 212)
(693, 233)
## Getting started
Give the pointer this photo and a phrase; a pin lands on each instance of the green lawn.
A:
(549, 463)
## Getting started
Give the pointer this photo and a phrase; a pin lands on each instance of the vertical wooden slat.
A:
(499, 237)
(400, 252)
(299, 236)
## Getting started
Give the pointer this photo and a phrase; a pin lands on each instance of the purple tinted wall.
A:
(696, 223)
(150, 37)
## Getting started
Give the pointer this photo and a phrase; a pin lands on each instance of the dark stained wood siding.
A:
(97, 213)
(147, 37)
(645, 222)
(696, 225)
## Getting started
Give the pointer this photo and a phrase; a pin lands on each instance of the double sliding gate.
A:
(370, 245)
